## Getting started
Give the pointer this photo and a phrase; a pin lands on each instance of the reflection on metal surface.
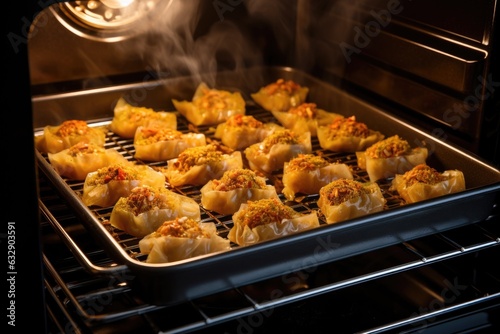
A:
(106, 20)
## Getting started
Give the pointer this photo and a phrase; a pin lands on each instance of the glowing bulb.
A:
(108, 15)
(117, 3)
(92, 5)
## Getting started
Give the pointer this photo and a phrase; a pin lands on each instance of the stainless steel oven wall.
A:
(431, 61)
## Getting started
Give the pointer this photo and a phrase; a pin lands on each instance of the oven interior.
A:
(437, 75)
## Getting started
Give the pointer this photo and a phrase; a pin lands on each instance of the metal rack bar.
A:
(79, 254)
(431, 314)
(76, 302)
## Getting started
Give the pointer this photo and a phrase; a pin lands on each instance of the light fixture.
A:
(106, 20)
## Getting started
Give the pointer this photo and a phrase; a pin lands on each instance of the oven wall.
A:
(183, 38)
(428, 61)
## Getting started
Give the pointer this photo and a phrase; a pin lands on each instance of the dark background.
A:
(20, 195)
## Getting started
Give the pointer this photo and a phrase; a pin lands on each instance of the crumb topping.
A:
(342, 190)
(240, 120)
(197, 156)
(137, 114)
(348, 126)
(144, 198)
(423, 174)
(73, 127)
(305, 110)
(307, 162)
(118, 172)
(279, 137)
(182, 227)
(282, 86)
(239, 178)
(212, 99)
(153, 135)
(82, 148)
(390, 147)
(266, 211)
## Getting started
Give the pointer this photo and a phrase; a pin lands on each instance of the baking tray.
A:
(172, 283)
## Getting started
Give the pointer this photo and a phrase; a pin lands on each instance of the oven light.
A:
(116, 3)
(106, 20)
(93, 4)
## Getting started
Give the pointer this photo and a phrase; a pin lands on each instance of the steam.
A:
(181, 40)
(200, 37)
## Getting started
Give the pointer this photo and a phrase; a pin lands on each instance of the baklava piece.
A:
(82, 158)
(160, 144)
(146, 208)
(347, 135)
(180, 239)
(106, 185)
(210, 106)
(236, 186)
(424, 182)
(268, 219)
(345, 199)
(308, 173)
(280, 95)
(127, 118)
(60, 137)
(270, 154)
(200, 164)
(305, 117)
(240, 131)
(389, 157)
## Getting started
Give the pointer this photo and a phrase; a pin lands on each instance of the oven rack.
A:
(93, 290)
(223, 223)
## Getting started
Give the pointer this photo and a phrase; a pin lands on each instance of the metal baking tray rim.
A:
(244, 265)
